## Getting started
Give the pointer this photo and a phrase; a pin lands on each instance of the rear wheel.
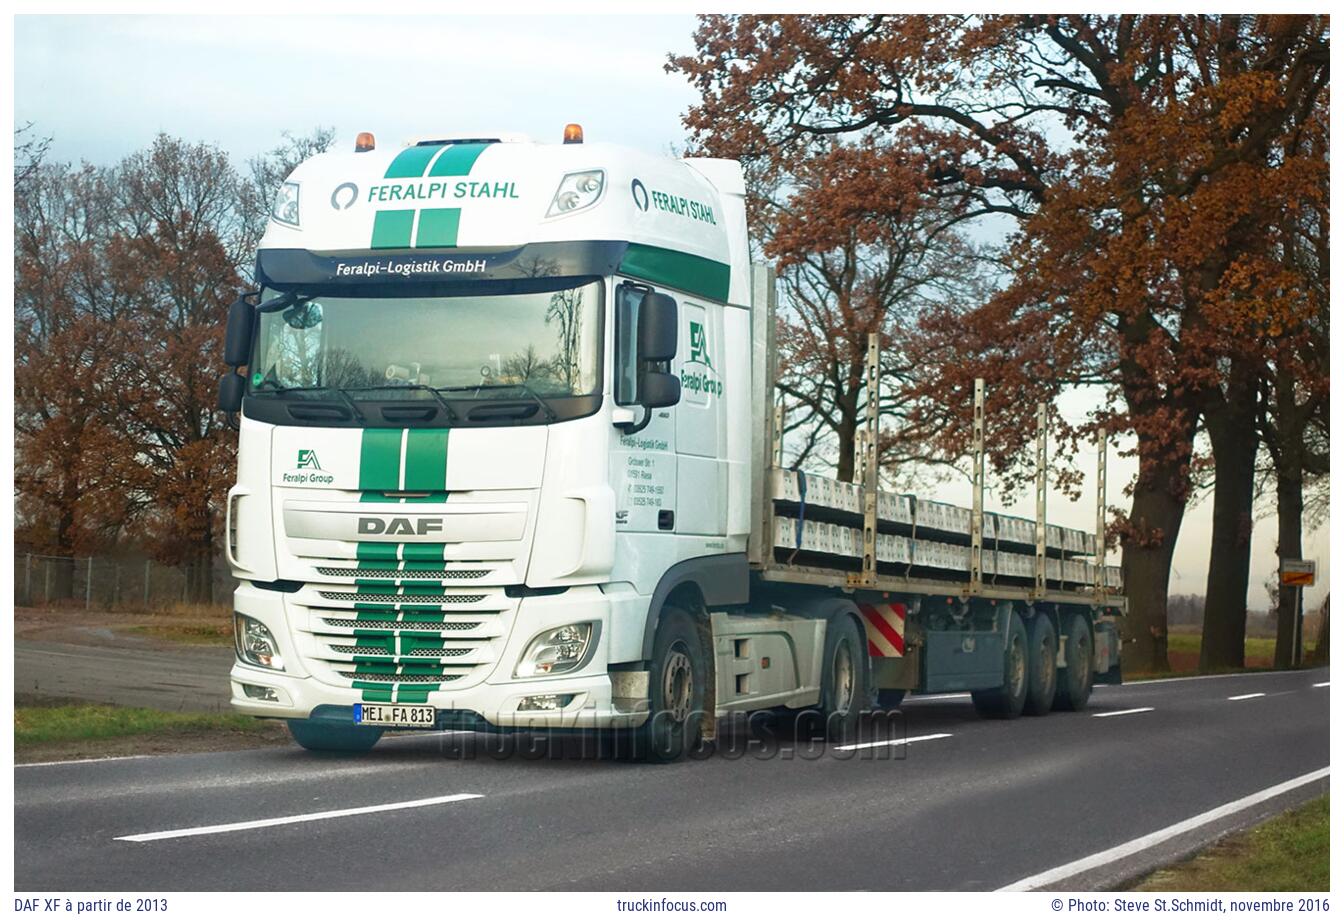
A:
(1043, 648)
(844, 679)
(1073, 684)
(323, 736)
(1006, 701)
(677, 682)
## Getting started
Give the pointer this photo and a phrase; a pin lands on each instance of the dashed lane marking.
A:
(296, 819)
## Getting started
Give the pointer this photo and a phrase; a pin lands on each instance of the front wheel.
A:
(324, 736)
(677, 682)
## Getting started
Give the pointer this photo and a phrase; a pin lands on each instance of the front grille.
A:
(365, 598)
(402, 575)
(400, 678)
(413, 653)
(342, 623)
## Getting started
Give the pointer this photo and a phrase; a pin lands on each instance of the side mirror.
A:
(657, 333)
(658, 390)
(231, 387)
(238, 333)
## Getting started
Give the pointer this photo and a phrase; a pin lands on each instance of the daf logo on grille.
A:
(400, 526)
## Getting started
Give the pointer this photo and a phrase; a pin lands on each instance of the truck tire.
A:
(1006, 701)
(844, 682)
(677, 680)
(1043, 649)
(1073, 684)
(322, 736)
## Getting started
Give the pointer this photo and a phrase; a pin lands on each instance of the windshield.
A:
(473, 346)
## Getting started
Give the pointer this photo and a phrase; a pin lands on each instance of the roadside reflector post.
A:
(1041, 458)
(28, 579)
(146, 584)
(88, 585)
(977, 485)
(46, 581)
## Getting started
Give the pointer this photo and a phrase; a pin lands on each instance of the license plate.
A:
(403, 716)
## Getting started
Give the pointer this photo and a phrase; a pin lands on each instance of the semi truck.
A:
(510, 457)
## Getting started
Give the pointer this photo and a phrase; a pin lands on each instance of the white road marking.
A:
(938, 696)
(297, 819)
(1121, 712)
(1324, 683)
(1246, 696)
(1139, 844)
(1171, 680)
(62, 763)
(893, 742)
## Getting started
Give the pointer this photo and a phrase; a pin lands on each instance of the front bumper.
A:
(491, 696)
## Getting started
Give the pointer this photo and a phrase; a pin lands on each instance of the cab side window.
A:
(626, 375)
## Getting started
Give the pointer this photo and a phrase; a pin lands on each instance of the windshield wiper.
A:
(339, 391)
(425, 388)
(545, 406)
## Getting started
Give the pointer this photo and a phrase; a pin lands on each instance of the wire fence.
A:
(94, 582)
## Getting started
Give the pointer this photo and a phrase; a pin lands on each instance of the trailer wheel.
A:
(1074, 682)
(319, 736)
(1006, 701)
(1042, 648)
(677, 681)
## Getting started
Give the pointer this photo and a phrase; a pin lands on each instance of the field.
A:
(1288, 853)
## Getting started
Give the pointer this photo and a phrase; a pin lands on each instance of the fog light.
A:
(556, 651)
(548, 702)
(255, 644)
(253, 692)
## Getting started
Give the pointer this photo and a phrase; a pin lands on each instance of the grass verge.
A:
(1288, 853)
(46, 729)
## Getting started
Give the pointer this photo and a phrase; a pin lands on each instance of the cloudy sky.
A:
(103, 86)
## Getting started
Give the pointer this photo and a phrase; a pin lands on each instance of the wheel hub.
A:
(678, 684)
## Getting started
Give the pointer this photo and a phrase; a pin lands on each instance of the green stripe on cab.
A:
(392, 229)
(411, 162)
(680, 270)
(457, 160)
(426, 459)
(380, 459)
(437, 227)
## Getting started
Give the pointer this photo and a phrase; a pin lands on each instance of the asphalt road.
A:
(973, 805)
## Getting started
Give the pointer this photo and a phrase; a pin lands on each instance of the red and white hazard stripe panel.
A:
(885, 624)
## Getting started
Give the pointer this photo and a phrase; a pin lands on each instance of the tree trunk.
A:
(1289, 488)
(844, 437)
(1155, 517)
(1232, 432)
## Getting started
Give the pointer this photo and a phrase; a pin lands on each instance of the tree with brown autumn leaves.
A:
(123, 276)
(1144, 161)
(848, 268)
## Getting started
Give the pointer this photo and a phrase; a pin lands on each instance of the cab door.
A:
(701, 421)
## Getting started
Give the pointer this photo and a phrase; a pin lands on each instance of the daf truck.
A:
(509, 458)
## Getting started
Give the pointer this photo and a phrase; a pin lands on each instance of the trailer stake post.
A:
(978, 487)
(1099, 576)
(1041, 457)
(868, 577)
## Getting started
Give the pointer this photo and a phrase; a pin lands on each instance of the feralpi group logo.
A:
(700, 381)
(307, 460)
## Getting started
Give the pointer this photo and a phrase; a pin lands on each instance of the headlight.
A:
(286, 207)
(577, 191)
(556, 651)
(255, 644)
